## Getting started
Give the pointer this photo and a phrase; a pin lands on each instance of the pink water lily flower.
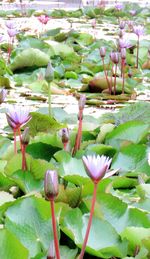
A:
(96, 166)
(43, 19)
(17, 116)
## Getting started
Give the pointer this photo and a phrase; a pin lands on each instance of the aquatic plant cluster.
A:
(72, 185)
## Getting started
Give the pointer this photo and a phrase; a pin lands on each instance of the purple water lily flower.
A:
(138, 30)
(12, 32)
(118, 6)
(3, 94)
(124, 43)
(132, 12)
(96, 166)
(10, 24)
(17, 116)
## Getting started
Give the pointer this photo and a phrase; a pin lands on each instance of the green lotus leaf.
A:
(132, 158)
(132, 132)
(29, 220)
(103, 240)
(29, 58)
(11, 247)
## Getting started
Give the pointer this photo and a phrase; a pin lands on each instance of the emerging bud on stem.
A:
(51, 186)
(102, 52)
(122, 24)
(82, 101)
(49, 73)
(64, 133)
(123, 53)
(25, 136)
(114, 57)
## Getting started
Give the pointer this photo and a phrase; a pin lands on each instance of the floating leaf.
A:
(103, 240)
(42, 123)
(11, 247)
(29, 220)
(132, 132)
(132, 158)
(26, 181)
(30, 58)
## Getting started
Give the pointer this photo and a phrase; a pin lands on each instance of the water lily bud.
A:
(51, 251)
(130, 74)
(51, 186)
(122, 24)
(123, 53)
(3, 94)
(64, 133)
(49, 73)
(121, 33)
(114, 57)
(25, 136)
(82, 101)
(102, 52)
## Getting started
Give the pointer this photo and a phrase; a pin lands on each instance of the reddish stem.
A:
(90, 221)
(9, 49)
(24, 164)
(137, 56)
(123, 66)
(65, 146)
(56, 243)
(106, 76)
(15, 146)
(19, 132)
(115, 79)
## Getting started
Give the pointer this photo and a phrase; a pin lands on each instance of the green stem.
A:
(90, 221)
(49, 100)
(56, 243)
(79, 133)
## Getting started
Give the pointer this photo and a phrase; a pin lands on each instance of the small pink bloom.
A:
(43, 19)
